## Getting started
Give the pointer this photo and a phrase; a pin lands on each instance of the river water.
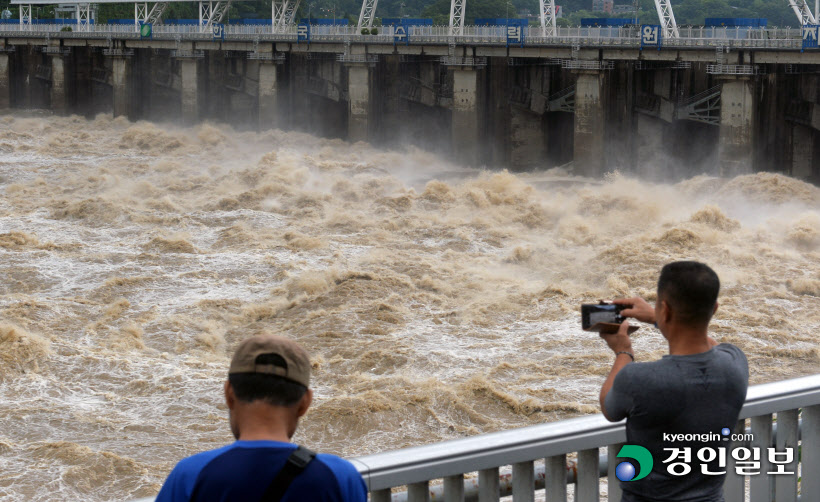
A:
(436, 301)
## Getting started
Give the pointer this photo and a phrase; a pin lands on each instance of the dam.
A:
(743, 101)
(166, 193)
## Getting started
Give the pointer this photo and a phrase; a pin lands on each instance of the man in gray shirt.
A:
(698, 389)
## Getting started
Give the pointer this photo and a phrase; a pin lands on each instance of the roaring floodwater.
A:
(436, 302)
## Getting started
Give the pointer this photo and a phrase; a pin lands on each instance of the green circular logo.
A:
(145, 30)
(625, 471)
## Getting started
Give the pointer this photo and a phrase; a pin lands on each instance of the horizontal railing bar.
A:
(506, 484)
(470, 485)
(420, 463)
(765, 38)
(783, 395)
(452, 458)
(409, 465)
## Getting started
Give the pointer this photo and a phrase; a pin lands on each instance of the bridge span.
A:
(604, 98)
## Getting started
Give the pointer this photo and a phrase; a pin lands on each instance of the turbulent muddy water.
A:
(437, 302)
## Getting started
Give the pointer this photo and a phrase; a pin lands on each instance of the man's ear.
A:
(715, 309)
(304, 404)
(666, 311)
(230, 397)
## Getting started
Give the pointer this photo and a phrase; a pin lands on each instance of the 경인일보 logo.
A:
(625, 471)
(743, 458)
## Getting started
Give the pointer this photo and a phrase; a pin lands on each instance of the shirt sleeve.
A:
(618, 402)
(350, 482)
(738, 356)
(173, 490)
(180, 483)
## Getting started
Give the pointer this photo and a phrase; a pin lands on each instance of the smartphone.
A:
(603, 317)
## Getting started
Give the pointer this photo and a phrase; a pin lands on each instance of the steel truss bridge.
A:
(622, 37)
(283, 14)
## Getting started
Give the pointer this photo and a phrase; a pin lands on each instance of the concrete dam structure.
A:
(599, 99)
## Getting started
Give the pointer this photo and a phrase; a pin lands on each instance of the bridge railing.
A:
(783, 416)
(690, 37)
(438, 471)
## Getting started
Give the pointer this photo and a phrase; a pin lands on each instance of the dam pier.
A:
(597, 97)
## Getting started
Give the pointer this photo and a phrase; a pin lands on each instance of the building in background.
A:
(602, 6)
(623, 9)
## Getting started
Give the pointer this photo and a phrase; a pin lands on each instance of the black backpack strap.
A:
(296, 463)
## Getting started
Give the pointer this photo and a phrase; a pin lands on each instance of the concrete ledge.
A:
(540, 52)
(151, 44)
(491, 51)
(787, 57)
(409, 49)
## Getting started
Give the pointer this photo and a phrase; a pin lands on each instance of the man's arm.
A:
(174, 489)
(352, 487)
(621, 344)
(179, 485)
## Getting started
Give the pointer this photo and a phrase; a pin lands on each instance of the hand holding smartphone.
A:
(603, 318)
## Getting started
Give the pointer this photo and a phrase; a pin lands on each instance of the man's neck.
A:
(684, 341)
(259, 422)
(263, 435)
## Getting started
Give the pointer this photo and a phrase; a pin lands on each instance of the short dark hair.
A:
(273, 389)
(691, 290)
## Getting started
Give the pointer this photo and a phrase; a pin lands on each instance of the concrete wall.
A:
(737, 126)
(589, 123)
(358, 88)
(465, 117)
(268, 95)
(5, 81)
(58, 85)
(803, 160)
(121, 86)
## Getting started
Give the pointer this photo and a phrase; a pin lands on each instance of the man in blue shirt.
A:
(267, 392)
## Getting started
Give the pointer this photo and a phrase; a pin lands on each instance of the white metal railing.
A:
(583, 64)
(694, 37)
(519, 461)
(520, 448)
(732, 69)
(357, 58)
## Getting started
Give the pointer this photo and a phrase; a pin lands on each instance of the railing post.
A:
(555, 478)
(734, 486)
(418, 492)
(810, 444)
(586, 487)
(380, 495)
(488, 486)
(785, 486)
(761, 486)
(454, 488)
(613, 484)
(523, 480)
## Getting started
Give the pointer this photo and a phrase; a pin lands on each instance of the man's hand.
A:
(619, 341)
(638, 309)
